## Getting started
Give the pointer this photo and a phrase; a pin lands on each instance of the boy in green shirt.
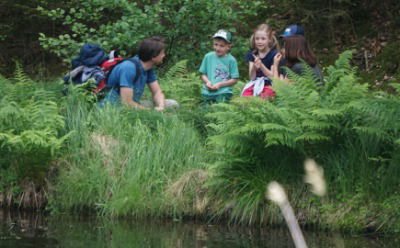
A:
(219, 70)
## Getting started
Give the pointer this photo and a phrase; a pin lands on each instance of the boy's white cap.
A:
(223, 34)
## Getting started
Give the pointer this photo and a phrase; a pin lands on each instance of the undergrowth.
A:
(212, 162)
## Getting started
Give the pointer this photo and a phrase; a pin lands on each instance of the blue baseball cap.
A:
(292, 30)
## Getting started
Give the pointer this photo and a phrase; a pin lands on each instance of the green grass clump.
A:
(121, 161)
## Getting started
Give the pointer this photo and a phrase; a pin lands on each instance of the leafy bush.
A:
(30, 127)
(351, 132)
(188, 25)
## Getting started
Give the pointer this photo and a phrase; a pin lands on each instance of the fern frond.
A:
(341, 69)
(310, 137)
(372, 131)
(326, 112)
(318, 125)
(19, 74)
(176, 71)
(11, 116)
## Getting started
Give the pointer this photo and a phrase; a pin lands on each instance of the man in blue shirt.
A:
(127, 87)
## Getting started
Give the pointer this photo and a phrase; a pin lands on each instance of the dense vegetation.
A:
(212, 162)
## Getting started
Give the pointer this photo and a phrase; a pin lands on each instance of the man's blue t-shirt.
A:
(123, 75)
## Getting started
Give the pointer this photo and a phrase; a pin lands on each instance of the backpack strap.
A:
(138, 72)
(136, 63)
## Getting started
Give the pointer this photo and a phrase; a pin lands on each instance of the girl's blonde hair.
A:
(273, 44)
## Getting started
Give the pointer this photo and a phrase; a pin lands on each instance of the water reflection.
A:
(23, 229)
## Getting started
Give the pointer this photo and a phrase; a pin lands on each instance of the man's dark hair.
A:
(150, 48)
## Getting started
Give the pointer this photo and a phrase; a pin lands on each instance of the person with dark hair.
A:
(296, 50)
(128, 79)
(292, 30)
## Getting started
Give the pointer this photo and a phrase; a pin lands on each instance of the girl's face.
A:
(261, 40)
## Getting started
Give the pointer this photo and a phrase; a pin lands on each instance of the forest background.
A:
(64, 154)
(41, 39)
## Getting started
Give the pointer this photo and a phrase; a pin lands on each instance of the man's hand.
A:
(159, 108)
(139, 106)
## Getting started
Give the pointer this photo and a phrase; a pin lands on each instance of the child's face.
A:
(261, 40)
(221, 47)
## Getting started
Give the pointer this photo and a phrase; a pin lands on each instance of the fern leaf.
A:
(318, 125)
(325, 112)
(19, 74)
(373, 131)
(176, 71)
(309, 136)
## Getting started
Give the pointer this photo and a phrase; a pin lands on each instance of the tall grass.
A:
(122, 161)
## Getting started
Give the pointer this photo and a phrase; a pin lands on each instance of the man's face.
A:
(159, 58)
(221, 47)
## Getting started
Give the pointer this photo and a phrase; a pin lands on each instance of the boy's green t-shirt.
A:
(218, 69)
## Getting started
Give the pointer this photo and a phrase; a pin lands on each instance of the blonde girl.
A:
(263, 48)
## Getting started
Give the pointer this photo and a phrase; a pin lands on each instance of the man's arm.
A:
(127, 96)
(158, 95)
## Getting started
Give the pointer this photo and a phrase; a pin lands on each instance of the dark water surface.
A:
(22, 229)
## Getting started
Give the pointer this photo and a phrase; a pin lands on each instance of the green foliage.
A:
(30, 126)
(121, 161)
(188, 25)
(126, 160)
(179, 84)
(340, 124)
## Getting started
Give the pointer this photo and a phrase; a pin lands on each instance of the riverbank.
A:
(208, 163)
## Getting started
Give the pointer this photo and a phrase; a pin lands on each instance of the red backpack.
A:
(94, 63)
(107, 67)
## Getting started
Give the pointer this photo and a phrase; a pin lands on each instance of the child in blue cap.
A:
(297, 54)
(292, 30)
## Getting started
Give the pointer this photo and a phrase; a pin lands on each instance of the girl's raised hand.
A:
(257, 61)
(277, 58)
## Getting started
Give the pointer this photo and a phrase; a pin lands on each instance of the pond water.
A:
(23, 229)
